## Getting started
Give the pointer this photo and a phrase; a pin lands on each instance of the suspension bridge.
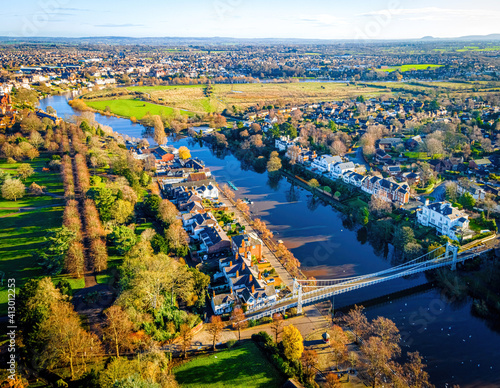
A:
(306, 292)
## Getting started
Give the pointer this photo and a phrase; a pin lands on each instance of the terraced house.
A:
(388, 190)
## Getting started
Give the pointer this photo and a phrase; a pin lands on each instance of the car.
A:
(270, 281)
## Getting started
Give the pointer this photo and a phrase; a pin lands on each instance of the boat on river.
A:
(231, 184)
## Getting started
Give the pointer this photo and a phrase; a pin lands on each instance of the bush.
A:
(230, 343)
(265, 320)
(11, 161)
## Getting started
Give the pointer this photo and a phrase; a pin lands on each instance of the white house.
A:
(442, 216)
(325, 163)
(340, 169)
(208, 192)
(353, 178)
(477, 192)
(283, 143)
(223, 303)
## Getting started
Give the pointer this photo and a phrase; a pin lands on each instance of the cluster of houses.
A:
(240, 281)
(7, 112)
(336, 167)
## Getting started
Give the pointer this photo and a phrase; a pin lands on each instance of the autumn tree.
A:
(376, 359)
(238, 320)
(242, 206)
(214, 329)
(414, 374)
(25, 171)
(338, 342)
(67, 343)
(167, 212)
(177, 238)
(13, 189)
(378, 206)
(274, 163)
(226, 190)
(357, 321)
(159, 129)
(186, 336)
(121, 211)
(184, 153)
(277, 325)
(332, 381)
(293, 343)
(388, 333)
(118, 329)
(309, 362)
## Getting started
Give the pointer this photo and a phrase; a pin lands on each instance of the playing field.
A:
(404, 68)
(242, 366)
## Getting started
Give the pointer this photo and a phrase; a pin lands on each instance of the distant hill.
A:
(124, 40)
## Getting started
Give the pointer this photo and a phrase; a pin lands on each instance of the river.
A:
(458, 347)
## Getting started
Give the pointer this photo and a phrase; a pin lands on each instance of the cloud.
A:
(433, 13)
(110, 25)
(322, 20)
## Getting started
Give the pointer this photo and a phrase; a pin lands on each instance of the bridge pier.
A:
(454, 262)
(299, 301)
(295, 286)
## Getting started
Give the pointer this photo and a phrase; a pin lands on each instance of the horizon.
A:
(240, 19)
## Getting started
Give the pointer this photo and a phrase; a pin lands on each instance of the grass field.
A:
(242, 366)
(22, 233)
(192, 98)
(404, 68)
(132, 108)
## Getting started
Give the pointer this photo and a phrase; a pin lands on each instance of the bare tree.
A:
(214, 328)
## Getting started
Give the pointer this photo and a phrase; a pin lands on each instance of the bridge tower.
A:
(299, 301)
(452, 249)
(295, 286)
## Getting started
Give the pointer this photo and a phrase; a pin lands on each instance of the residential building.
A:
(446, 219)
(247, 245)
(325, 163)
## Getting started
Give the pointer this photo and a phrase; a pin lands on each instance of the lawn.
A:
(241, 366)
(132, 108)
(22, 233)
(404, 68)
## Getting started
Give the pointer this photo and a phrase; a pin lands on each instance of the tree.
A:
(332, 381)
(13, 189)
(451, 191)
(52, 255)
(238, 320)
(121, 211)
(214, 328)
(159, 129)
(36, 140)
(378, 206)
(118, 329)
(274, 163)
(309, 362)
(167, 212)
(277, 325)
(414, 374)
(184, 153)
(338, 342)
(314, 183)
(403, 236)
(227, 191)
(357, 321)
(74, 262)
(338, 148)
(293, 343)
(353, 359)
(123, 238)
(186, 336)
(177, 238)
(377, 358)
(35, 189)
(388, 333)
(467, 201)
(67, 343)
(242, 206)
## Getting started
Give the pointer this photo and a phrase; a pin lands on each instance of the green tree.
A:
(403, 236)
(123, 238)
(121, 211)
(51, 256)
(467, 201)
(104, 200)
(152, 204)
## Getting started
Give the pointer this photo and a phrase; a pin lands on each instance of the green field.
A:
(22, 233)
(242, 366)
(132, 108)
(404, 68)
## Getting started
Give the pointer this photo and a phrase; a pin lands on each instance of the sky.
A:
(312, 19)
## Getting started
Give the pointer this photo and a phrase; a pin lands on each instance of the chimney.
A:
(250, 278)
(243, 266)
(237, 273)
(427, 202)
(253, 288)
(230, 263)
(213, 293)
(260, 275)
